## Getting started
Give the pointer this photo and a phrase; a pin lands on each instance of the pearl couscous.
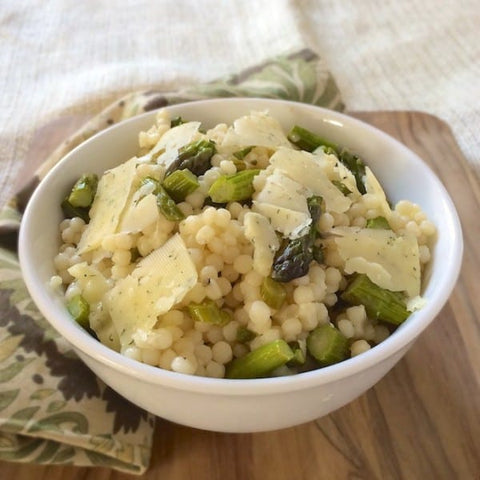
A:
(255, 245)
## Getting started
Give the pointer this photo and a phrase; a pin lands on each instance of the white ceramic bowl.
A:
(243, 405)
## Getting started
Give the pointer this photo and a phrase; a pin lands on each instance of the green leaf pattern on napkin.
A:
(52, 407)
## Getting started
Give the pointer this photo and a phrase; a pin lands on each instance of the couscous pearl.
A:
(214, 334)
(228, 167)
(173, 317)
(345, 326)
(253, 278)
(381, 333)
(224, 285)
(213, 290)
(133, 352)
(166, 359)
(303, 294)
(222, 352)
(215, 261)
(307, 314)
(203, 353)
(222, 218)
(424, 254)
(205, 235)
(243, 264)
(184, 364)
(184, 346)
(358, 347)
(239, 350)
(207, 273)
(291, 327)
(259, 312)
(230, 273)
(215, 370)
(151, 356)
(161, 338)
(175, 331)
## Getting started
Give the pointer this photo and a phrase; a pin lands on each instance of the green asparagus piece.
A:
(165, 203)
(307, 140)
(244, 334)
(233, 188)
(240, 165)
(175, 122)
(195, 156)
(355, 164)
(380, 303)
(342, 187)
(299, 357)
(318, 254)
(80, 199)
(294, 260)
(378, 222)
(273, 293)
(241, 154)
(167, 206)
(327, 345)
(79, 309)
(70, 212)
(83, 192)
(260, 362)
(180, 183)
(209, 312)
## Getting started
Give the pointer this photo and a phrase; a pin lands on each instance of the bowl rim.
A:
(96, 351)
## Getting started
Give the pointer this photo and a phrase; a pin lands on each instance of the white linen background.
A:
(65, 57)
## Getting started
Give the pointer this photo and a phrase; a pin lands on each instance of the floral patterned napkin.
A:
(52, 407)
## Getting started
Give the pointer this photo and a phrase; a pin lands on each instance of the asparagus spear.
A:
(273, 293)
(299, 357)
(244, 334)
(80, 199)
(327, 344)
(241, 154)
(380, 303)
(260, 362)
(233, 188)
(307, 140)
(175, 122)
(79, 309)
(294, 260)
(180, 184)
(355, 164)
(165, 203)
(195, 156)
(209, 312)
(378, 222)
(342, 187)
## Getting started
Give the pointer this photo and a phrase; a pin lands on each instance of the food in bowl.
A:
(241, 251)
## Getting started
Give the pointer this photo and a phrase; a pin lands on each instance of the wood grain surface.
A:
(421, 421)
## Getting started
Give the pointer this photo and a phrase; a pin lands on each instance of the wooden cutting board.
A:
(420, 422)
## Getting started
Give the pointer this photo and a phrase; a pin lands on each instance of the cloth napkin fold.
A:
(53, 409)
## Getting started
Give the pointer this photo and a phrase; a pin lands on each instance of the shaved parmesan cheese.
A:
(173, 139)
(304, 168)
(159, 281)
(284, 220)
(389, 260)
(258, 129)
(113, 192)
(372, 185)
(264, 240)
(284, 192)
(140, 215)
